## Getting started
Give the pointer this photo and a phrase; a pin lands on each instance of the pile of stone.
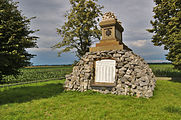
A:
(133, 75)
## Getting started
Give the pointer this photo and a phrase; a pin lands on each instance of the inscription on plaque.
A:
(105, 71)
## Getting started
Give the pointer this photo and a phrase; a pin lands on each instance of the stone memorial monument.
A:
(112, 67)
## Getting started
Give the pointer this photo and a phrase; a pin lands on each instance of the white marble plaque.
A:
(105, 71)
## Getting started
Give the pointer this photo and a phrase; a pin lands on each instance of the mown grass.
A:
(165, 70)
(48, 101)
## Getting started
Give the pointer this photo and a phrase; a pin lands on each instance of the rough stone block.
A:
(133, 75)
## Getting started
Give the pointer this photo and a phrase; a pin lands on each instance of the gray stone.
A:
(127, 76)
(143, 83)
(117, 55)
(123, 69)
(128, 72)
(148, 94)
(133, 86)
(133, 75)
(121, 52)
(123, 79)
(87, 76)
(68, 75)
(121, 73)
(106, 91)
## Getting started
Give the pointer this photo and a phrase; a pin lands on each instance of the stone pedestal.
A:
(125, 73)
(132, 74)
(111, 35)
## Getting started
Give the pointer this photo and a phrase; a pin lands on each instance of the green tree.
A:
(167, 29)
(14, 39)
(81, 28)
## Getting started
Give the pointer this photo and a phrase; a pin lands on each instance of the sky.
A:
(135, 16)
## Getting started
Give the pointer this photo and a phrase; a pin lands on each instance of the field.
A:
(39, 73)
(49, 101)
(165, 70)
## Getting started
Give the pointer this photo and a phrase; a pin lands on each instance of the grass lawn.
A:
(47, 100)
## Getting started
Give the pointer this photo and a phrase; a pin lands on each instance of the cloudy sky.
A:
(135, 16)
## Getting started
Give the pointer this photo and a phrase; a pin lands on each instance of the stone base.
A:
(133, 75)
(107, 45)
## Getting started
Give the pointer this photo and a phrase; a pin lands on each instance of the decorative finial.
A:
(108, 15)
(119, 22)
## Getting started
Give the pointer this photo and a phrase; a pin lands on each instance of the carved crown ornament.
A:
(109, 15)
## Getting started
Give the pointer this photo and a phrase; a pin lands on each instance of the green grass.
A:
(165, 70)
(38, 73)
(48, 101)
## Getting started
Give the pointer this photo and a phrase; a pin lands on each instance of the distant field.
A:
(35, 73)
(48, 101)
(165, 70)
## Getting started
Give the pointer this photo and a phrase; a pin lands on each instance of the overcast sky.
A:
(135, 16)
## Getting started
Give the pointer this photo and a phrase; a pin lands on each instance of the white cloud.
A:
(34, 50)
(139, 43)
(56, 50)
(135, 16)
(157, 61)
(49, 16)
(42, 49)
